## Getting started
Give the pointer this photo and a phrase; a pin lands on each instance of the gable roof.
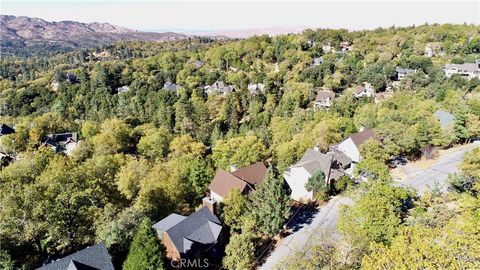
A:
(313, 161)
(323, 95)
(224, 181)
(446, 119)
(201, 227)
(361, 137)
(358, 89)
(253, 174)
(93, 257)
(5, 130)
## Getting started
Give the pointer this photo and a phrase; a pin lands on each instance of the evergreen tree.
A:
(145, 251)
(269, 205)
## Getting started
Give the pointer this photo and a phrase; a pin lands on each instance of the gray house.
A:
(218, 87)
(91, 258)
(61, 142)
(191, 236)
(403, 72)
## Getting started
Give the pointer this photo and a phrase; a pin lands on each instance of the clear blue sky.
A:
(221, 15)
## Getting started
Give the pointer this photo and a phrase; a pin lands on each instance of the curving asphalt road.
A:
(306, 224)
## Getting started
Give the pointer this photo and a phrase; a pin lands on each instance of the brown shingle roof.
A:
(224, 181)
(323, 95)
(358, 89)
(361, 137)
(252, 174)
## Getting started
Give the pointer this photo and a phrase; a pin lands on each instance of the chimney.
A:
(211, 204)
(316, 148)
(233, 168)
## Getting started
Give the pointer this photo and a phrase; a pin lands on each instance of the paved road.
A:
(304, 226)
(448, 163)
(307, 223)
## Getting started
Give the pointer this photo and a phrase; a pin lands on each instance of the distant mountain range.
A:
(245, 33)
(25, 32)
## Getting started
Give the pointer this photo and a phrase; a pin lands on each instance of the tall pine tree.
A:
(270, 205)
(145, 251)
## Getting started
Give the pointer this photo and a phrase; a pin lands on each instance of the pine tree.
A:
(145, 251)
(270, 205)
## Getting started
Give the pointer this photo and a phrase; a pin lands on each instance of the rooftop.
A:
(93, 257)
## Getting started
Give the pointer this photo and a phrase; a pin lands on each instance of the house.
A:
(61, 142)
(93, 257)
(345, 46)
(317, 61)
(351, 145)
(199, 234)
(218, 87)
(54, 85)
(5, 159)
(171, 86)
(365, 90)
(71, 78)
(5, 130)
(122, 89)
(445, 118)
(198, 63)
(326, 48)
(403, 72)
(467, 70)
(433, 49)
(333, 165)
(245, 179)
(255, 88)
(324, 99)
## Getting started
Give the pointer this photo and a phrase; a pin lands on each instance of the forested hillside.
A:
(146, 151)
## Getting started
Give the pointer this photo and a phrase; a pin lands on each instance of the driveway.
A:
(304, 226)
(447, 163)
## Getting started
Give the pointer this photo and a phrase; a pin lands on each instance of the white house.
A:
(332, 164)
(365, 90)
(351, 145)
(467, 70)
(218, 87)
(256, 88)
(433, 48)
(324, 99)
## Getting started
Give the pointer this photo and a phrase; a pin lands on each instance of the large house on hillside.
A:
(198, 235)
(218, 87)
(333, 165)
(351, 145)
(245, 179)
(324, 99)
(91, 258)
(61, 142)
(404, 72)
(467, 70)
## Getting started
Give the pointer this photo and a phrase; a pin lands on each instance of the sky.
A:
(227, 15)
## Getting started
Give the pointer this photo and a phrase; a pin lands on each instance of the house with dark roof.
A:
(245, 179)
(91, 258)
(5, 159)
(61, 142)
(199, 235)
(5, 130)
(324, 99)
(445, 118)
(333, 165)
(218, 87)
(351, 145)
